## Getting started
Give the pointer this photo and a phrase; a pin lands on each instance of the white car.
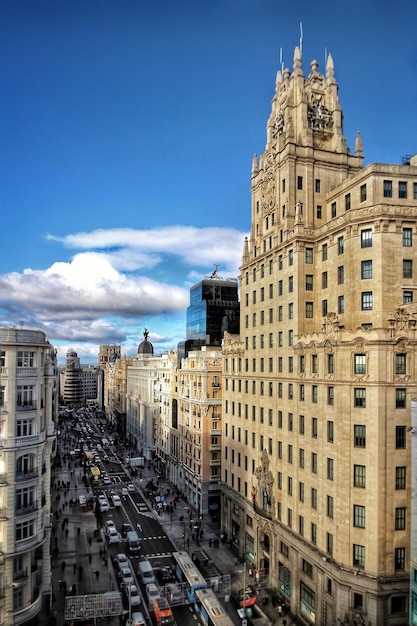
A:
(126, 576)
(122, 560)
(132, 592)
(125, 491)
(138, 619)
(106, 480)
(112, 535)
(116, 500)
(153, 592)
(131, 487)
(110, 524)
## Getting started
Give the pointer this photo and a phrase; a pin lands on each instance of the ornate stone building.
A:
(318, 385)
(28, 408)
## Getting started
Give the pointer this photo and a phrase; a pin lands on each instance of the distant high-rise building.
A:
(318, 385)
(28, 409)
(214, 309)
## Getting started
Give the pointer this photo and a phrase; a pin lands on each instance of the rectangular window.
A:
(290, 364)
(362, 193)
(359, 436)
(400, 398)
(309, 282)
(330, 431)
(330, 469)
(400, 477)
(366, 238)
(301, 525)
(299, 182)
(359, 397)
(340, 245)
(25, 396)
(399, 559)
(359, 366)
(307, 568)
(366, 269)
(291, 311)
(289, 485)
(341, 304)
(347, 202)
(317, 184)
(407, 237)
(329, 544)
(333, 209)
(314, 427)
(314, 363)
(407, 296)
(367, 300)
(309, 310)
(313, 498)
(301, 458)
(280, 287)
(314, 462)
(402, 189)
(291, 284)
(358, 516)
(359, 476)
(330, 395)
(324, 280)
(330, 363)
(314, 534)
(407, 268)
(400, 514)
(314, 393)
(319, 211)
(400, 442)
(387, 188)
(302, 393)
(324, 252)
(358, 556)
(309, 255)
(301, 424)
(324, 308)
(400, 364)
(329, 506)
(25, 359)
(291, 257)
(340, 274)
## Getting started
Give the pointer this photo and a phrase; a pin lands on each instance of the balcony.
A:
(23, 442)
(215, 463)
(27, 406)
(24, 510)
(215, 447)
(262, 512)
(215, 385)
(26, 475)
(216, 432)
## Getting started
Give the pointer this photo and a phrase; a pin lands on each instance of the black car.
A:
(126, 528)
(164, 576)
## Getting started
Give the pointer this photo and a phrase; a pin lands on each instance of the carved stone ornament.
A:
(265, 480)
(268, 186)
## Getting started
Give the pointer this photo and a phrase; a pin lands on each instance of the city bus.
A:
(187, 572)
(212, 613)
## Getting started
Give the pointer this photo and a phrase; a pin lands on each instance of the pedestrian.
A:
(284, 622)
(63, 565)
(97, 573)
(90, 558)
(78, 531)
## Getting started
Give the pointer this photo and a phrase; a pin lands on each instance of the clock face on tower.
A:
(319, 117)
(278, 125)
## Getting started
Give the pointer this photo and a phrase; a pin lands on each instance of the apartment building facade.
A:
(318, 384)
(28, 409)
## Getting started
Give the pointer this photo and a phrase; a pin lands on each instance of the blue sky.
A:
(127, 134)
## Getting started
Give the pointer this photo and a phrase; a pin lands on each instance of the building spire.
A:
(255, 165)
(245, 255)
(358, 145)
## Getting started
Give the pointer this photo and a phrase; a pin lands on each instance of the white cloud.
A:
(119, 279)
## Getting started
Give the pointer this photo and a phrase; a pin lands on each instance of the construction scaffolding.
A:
(94, 605)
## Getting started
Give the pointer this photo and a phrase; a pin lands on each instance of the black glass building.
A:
(214, 309)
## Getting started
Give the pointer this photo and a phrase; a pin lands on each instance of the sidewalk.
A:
(78, 557)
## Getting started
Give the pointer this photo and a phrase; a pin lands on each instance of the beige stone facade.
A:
(318, 386)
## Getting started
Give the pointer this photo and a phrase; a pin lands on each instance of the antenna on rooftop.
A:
(281, 60)
(301, 36)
